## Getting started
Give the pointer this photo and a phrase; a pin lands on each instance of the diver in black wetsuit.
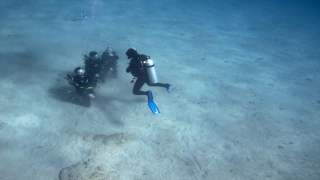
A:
(83, 85)
(94, 67)
(109, 59)
(138, 69)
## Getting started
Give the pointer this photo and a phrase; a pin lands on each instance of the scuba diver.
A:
(94, 67)
(83, 85)
(142, 68)
(109, 59)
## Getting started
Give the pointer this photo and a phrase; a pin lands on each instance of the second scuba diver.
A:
(109, 59)
(94, 66)
(142, 68)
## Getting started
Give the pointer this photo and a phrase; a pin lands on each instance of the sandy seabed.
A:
(245, 102)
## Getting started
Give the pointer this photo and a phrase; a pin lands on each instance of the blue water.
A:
(245, 101)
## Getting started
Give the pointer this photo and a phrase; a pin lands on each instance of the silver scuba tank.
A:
(151, 71)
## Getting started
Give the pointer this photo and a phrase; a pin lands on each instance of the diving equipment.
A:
(151, 71)
(152, 105)
(169, 88)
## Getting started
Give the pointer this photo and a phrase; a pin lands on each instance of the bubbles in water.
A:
(83, 17)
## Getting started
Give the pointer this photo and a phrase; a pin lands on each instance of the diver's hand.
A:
(92, 95)
(128, 69)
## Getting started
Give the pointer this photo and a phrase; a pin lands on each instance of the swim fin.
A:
(169, 88)
(152, 105)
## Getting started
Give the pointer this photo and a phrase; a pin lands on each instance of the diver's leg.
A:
(138, 85)
(106, 70)
(102, 77)
(166, 85)
(115, 72)
(114, 69)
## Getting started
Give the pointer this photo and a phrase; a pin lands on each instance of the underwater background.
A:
(245, 102)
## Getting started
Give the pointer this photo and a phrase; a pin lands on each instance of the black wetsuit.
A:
(139, 71)
(84, 87)
(110, 61)
(93, 67)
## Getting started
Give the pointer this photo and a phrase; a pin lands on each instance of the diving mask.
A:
(81, 71)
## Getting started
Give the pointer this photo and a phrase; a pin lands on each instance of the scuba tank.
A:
(151, 71)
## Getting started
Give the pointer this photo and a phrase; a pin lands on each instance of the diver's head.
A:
(131, 53)
(94, 55)
(79, 71)
(109, 50)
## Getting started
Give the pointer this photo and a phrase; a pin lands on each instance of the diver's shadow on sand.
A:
(105, 104)
(66, 94)
(112, 106)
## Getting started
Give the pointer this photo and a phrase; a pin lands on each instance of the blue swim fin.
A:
(152, 105)
(169, 88)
